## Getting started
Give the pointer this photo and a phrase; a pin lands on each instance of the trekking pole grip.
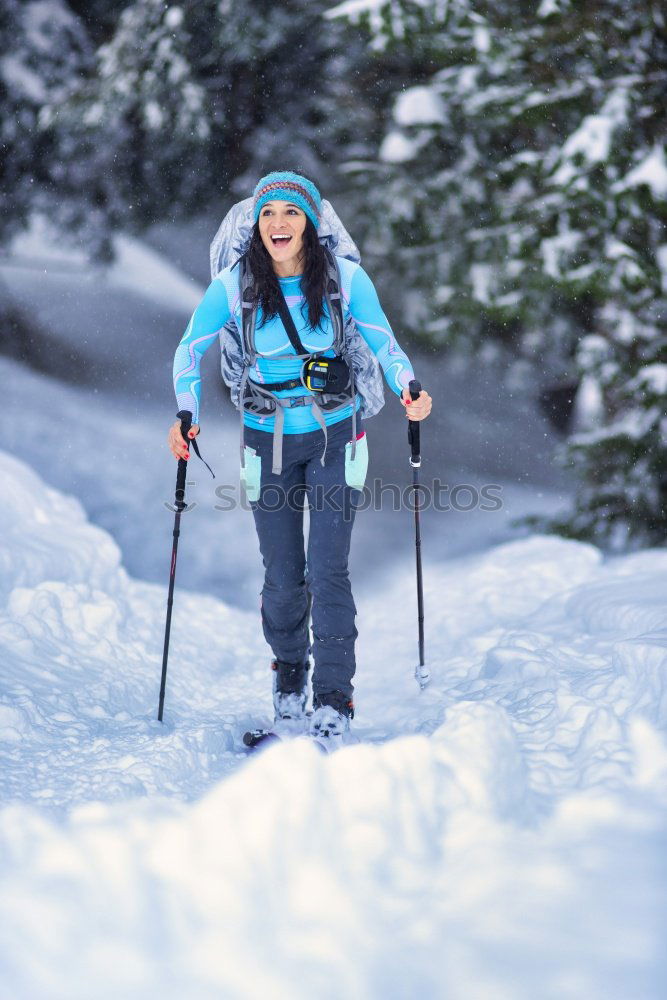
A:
(413, 428)
(186, 423)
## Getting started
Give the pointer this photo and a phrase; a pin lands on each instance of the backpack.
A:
(238, 353)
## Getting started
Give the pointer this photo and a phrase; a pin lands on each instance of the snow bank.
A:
(501, 834)
(82, 653)
(382, 872)
(136, 268)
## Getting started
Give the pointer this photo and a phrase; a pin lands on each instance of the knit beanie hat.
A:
(283, 185)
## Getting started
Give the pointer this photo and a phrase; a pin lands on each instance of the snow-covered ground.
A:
(500, 836)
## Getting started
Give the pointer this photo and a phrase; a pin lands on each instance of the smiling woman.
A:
(293, 300)
(281, 226)
(285, 244)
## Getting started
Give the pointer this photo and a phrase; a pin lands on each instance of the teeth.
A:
(281, 237)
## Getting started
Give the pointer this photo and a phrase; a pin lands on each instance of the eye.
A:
(267, 211)
(292, 211)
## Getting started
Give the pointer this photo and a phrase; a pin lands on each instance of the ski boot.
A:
(290, 690)
(330, 721)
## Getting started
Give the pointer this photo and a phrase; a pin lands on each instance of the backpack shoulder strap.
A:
(335, 302)
(248, 309)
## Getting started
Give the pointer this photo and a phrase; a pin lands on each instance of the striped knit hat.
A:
(283, 185)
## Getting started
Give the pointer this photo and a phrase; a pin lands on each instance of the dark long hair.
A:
(313, 279)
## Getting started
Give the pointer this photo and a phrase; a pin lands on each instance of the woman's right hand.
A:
(177, 445)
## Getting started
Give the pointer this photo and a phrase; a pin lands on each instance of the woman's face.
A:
(281, 226)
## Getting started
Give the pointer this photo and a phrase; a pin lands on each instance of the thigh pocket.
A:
(357, 467)
(251, 474)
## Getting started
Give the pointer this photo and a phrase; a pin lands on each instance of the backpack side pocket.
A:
(251, 474)
(357, 467)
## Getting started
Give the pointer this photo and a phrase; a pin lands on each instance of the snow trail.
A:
(500, 835)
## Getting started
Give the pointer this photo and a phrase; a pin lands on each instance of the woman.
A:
(294, 317)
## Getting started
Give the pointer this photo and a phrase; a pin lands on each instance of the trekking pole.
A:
(180, 505)
(422, 675)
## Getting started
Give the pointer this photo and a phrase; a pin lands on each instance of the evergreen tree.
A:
(132, 134)
(189, 103)
(182, 106)
(524, 190)
(99, 17)
(43, 49)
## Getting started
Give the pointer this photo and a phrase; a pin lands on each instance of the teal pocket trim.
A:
(357, 467)
(251, 474)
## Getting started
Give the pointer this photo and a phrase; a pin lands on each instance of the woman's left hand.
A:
(416, 409)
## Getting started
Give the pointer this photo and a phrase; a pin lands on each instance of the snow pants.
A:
(293, 577)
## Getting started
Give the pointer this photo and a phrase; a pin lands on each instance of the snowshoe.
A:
(255, 738)
(282, 729)
(290, 694)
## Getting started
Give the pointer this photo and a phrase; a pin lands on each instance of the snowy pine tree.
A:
(523, 188)
(132, 133)
(189, 103)
(99, 17)
(43, 47)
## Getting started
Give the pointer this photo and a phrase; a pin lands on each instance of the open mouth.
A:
(281, 239)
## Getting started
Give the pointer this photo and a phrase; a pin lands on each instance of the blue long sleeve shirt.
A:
(222, 302)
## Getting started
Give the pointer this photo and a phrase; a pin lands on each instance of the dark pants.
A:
(289, 574)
